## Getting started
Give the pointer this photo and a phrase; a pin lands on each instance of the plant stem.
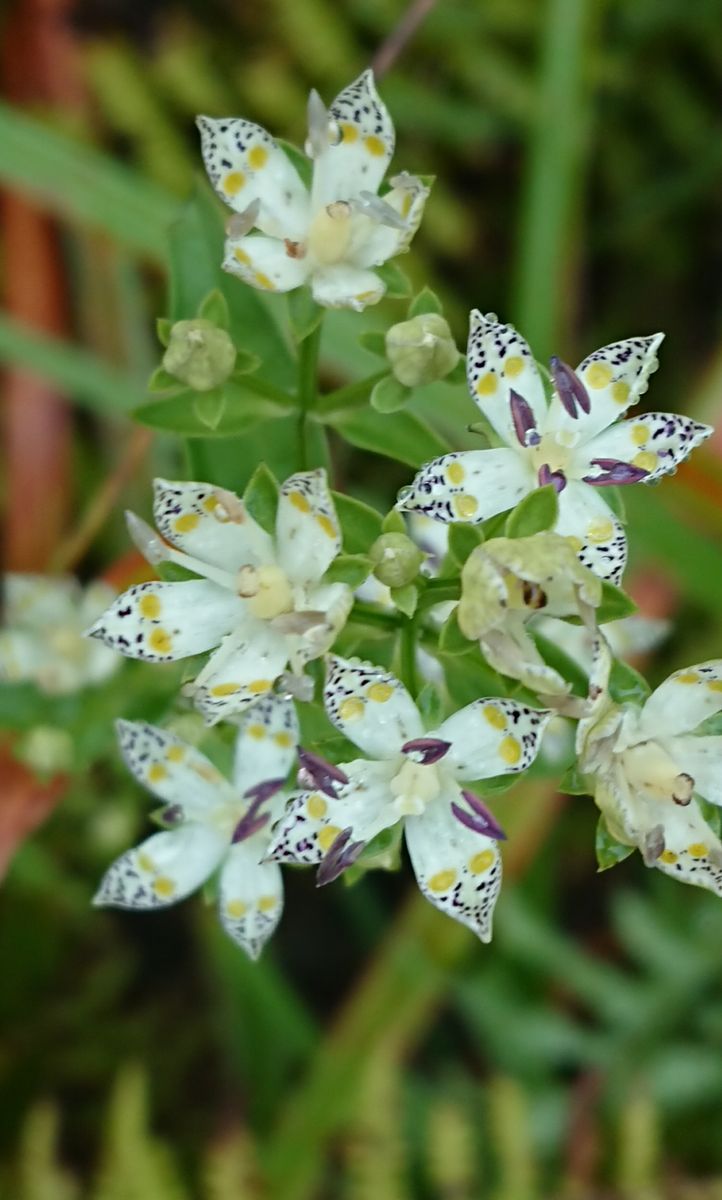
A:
(407, 656)
(438, 591)
(364, 614)
(308, 352)
(352, 395)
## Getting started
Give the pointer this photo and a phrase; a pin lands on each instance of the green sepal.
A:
(360, 524)
(458, 374)
(246, 364)
(615, 604)
(451, 640)
(304, 313)
(214, 308)
(425, 301)
(388, 395)
(173, 573)
(261, 498)
(406, 598)
(398, 285)
(609, 850)
(373, 340)
(431, 705)
(535, 513)
(353, 569)
(615, 500)
(300, 161)
(393, 522)
(463, 539)
(495, 786)
(626, 685)
(163, 326)
(177, 414)
(209, 407)
(711, 813)
(573, 783)
(162, 381)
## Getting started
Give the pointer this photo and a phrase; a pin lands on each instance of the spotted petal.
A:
(700, 757)
(250, 900)
(161, 622)
(330, 603)
(345, 286)
(360, 145)
(685, 699)
(210, 524)
(499, 361)
(268, 263)
(614, 377)
(492, 737)
(470, 485)
(171, 769)
(266, 742)
(242, 670)
(600, 539)
(655, 442)
(381, 242)
(244, 164)
(370, 707)
(458, 870)
(307, 530)
(163, 869)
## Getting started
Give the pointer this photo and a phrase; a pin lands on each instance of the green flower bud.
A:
(396, 559)
(421, 350)
(199, 354)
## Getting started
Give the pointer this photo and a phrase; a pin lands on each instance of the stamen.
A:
(252, 820)
(614, 472)
(523, 418)
(652, 845)
(545, 475)
(238, 225)
(317, 772)
(480, 820)
(569, 388)
(340, 856)
(426, 751)
(683, 788)
(372, 206)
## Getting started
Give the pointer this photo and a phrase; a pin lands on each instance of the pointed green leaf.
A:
(615, 605)
(246, 364)
(388, 395)
(393, 522)
(609, 850)
(178, 414)
(353, 569)
(535, 513)
(398, 285)
(406, 598)
(261, 498)
(304, 313)
(627, 686)
(209, 407)
(463, 538)
(214, 307)
(425, 301)
(402, 436)
(573, 783)
(431, 706)
(162, 381)
(374, 341)
(451, 640)
(360, 524)
(163, 327)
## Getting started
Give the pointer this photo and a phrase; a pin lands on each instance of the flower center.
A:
(553, 450)
(267, 591)
(329, 234)
(413, 786)
(649, 768)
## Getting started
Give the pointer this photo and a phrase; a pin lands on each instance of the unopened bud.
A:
(396, 559)
(421, 350)
(199, 354)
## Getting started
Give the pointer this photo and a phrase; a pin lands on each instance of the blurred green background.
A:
(377, 1052)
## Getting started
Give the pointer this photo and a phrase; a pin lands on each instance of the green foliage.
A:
(406, 598)
(261, 498)
(627, 686)
(402, 436)
(608, 850)
(352, 569)
(535, 513)
(463, 539)
(360, 524)
(388, 395)
(304, 313)
(425, 301)
(397, 282)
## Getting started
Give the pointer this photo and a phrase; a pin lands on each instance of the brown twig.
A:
(403, 31)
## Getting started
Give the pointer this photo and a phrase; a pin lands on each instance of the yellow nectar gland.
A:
(442, 881)
(329, 234)
(149, 606)
(413, 787)
(351, 709)
(267, 591)
(163, 887)
(327, 836)
(481, 862)
(236, 909)
(156, 773)
(257, 157)
(494, 716)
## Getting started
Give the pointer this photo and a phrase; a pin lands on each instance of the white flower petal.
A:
(519, 658)
(34, 601)
(163, 869)
(700, 757)
(161, 622)
(599, 537)
(685, 699)
(268, 263)
(458, 870)
(174, 771)
(656, 442)
(308, 536)
(370, 707)
(492, 737)
(245, 164)
(470, 485)
(614, 377)
(499, 361)
(250, 900)
(332, 602)
(266, 742)
(382, 242)
(344, 286)
(22, 656)
(241, 671)
(210, 524)
(357, 161)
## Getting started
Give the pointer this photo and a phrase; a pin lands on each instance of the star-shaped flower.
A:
(42, 637)
(261, 600)
(646, 764)
(575, 442)
(213, 824)
(417, 778)
(333, 236)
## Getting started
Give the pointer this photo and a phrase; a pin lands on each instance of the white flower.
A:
(42, 638)
(260, 601)
(646, 764)
(213, 824)
(416, 778)
(575, 442)
(332, 237)
(627, 637)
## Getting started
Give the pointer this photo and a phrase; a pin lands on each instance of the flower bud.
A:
(421, 350)
(199, 354)
(396, 559)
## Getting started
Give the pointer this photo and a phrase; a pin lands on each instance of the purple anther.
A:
(523, 418)
(173, 815)
(260, 792)
(613, 472)
(253, 820)
(569, 388)
(426, 751)
(316, 772)
(480, 820)
(340, 856)
(557, 478)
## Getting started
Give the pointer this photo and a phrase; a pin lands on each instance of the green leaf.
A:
(393, 522)
(388, 395)
(402, 436)
(261, 498)
(431, 705)
(615, 500)
(406, 598)
(360, 524)
(458, 374)
(451, 640)
(214, 307)
(209, 407)
(162, 381)
(615, 604)
(352, 569)
(425, 301)
(163, 327)
(301, 161)
(304, 313)
(535, 513)
(711, 813)
(554, 656)
(246, 364)
(398, 285)
(374, 341)
(626, 685)
(573, 783)
(609, 850)
(173, 573)
(242, 409)
(463, 539)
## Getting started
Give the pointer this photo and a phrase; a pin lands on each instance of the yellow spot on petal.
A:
(233, 183)
(600, 530)
(225, 689)
(327, 836)
(259, 686)
(244, 259)
(455, 473)
(380, 692)
(639, 434)
(646, 460)
(211, 502)
(349, 133)
(715, 685)
(267, 903)
(495, 718)
(374, 145)
(620, 392)
(160, 641)
(327, 525)
(299, 501)
(163, 887)
(669, 857)
(442, 881)
(688, 677)
(576, 543)
(351, 708)
(598, 375)
(698, 850)
(236, 908)
(316, 807)
(513, 366)
(263, 281)
(481, 862)
(145, 862)
(257, 157)
(284, 740)
(175, 754)
(186, 523)
(465, 505)
(149, 606)
(256, 731)
(486, 386)
(157, 772)
(510, 750)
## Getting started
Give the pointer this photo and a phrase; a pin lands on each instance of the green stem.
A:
(254, 384)
(407, 656)
(364, 614)
(353, 395)
(308, 352)
(438, 591)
